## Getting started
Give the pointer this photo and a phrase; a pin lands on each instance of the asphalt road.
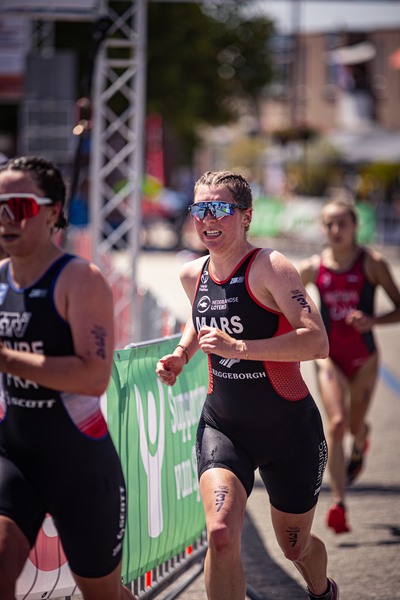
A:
(366, 561)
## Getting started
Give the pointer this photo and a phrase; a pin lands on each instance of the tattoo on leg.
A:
(220, 495)
(293, 535)
(100, 335)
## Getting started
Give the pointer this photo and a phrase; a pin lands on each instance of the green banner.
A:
(153, 427)
(268, 217)
(367, 223)
(301, 218)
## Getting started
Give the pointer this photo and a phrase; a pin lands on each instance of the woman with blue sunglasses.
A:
(253, 318)
(56, 354)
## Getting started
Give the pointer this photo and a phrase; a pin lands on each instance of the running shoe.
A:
(331, 594)
(336, 519)
(334, 589)
(356, 462)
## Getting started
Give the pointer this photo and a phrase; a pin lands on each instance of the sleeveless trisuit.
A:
(257, 414)
(340, 293)
(56, 455)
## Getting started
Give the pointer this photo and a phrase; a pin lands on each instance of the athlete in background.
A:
(347, 275)
(255, 321)
(56, 352)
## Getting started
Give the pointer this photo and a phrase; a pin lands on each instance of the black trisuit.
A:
(257, 413)
(56, 455)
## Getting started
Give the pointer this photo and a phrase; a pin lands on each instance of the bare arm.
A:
(378, 272)
(308, 269)
(84, 300)
(170, 366)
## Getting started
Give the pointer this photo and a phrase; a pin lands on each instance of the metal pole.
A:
(117, 156)
(137, 157)
(95, 196)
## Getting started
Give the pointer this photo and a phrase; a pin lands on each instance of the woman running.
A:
(347, 275)
(253, 318)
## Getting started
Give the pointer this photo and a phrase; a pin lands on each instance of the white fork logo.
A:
(152, 464)
(228, 362)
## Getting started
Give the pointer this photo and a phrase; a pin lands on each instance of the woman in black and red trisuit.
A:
(253, 318)
(347, 276)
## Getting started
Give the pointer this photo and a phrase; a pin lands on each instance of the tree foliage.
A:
(202, 60)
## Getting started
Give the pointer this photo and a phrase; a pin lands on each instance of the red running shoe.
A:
(336, 519)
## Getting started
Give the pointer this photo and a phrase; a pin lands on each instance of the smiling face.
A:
(20, 237)
(214, 232)
(340, 225)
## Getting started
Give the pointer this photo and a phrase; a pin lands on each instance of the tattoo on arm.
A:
(220, 495)
(299, 296)
(100, 335)
(293, 535)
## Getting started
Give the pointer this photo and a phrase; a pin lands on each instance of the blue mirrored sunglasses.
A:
(216, 209)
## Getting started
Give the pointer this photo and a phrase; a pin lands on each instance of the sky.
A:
(339, 15)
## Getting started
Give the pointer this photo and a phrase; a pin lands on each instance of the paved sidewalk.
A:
(365, 562)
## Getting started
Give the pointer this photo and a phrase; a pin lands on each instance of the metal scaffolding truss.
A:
(117, 137)
(118, 98)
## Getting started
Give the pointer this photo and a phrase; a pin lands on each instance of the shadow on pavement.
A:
(394, 530)
(262, 573)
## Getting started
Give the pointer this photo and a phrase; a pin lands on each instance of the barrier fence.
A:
(154, 430)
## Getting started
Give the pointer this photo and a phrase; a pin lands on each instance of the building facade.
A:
(331, 81)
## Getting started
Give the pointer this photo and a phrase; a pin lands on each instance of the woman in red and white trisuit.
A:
(347, 276)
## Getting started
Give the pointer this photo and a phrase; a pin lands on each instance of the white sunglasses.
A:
(21, 206)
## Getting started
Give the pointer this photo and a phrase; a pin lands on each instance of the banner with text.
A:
(154, 430)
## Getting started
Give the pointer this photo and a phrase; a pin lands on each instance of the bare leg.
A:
(362, 387)
(14, 550)
(224, 500)
(334, 392)
(104, 588)
(303, 548)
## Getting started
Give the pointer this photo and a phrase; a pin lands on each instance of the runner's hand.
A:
(168, 368)
(360, 321)
(215, 341)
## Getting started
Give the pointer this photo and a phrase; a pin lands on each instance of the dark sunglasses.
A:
(21, 206)
(216, 209)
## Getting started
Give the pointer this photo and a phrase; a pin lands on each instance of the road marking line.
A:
(390, 380)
